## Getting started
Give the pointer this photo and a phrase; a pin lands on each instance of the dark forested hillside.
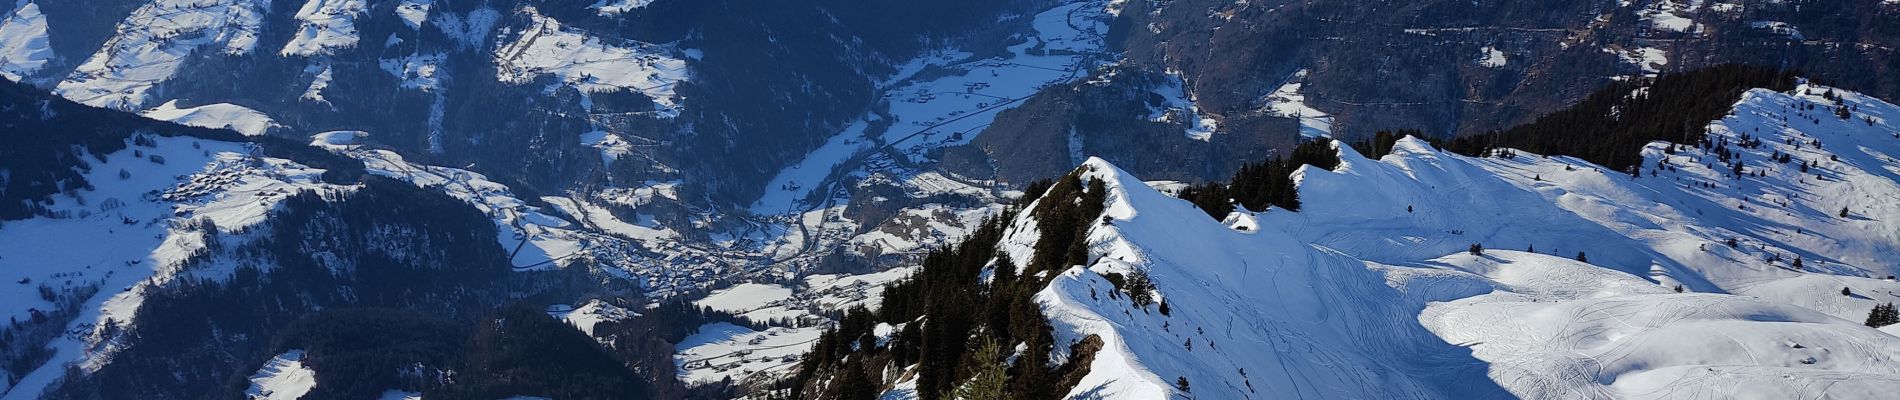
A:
(1380, 65)
(949, 314)
(399, 246)
(1611, 126)
(50, 143)
(386, 287)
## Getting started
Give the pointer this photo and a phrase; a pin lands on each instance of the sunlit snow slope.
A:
(1370, 291)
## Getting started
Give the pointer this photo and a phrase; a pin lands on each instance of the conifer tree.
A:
(1582, 257)
(1883, 315)
(987, 373)
(1140, 288)
(854, 384)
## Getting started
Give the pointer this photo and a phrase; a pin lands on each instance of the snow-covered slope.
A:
(154, 42)
(1370, 291)
(544, 238)
(546, 47)
(1557, 328)
(23, 46)
(1676, 220)
(216, 116)
(1254, 313)
(325, 26)
(284, 377)
(590, 315)
(723, 350)
(104, 248)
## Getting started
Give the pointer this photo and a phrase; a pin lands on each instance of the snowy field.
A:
(1674, 221)
(842, 292)
(589, 63)
(1287, 101)
(133, 231)
(589, 316)
(215, 116)
(324, 26)
(1370, 292)
(1556, 328)
(154, 42)
(23, 46)
(721, 350)
(284, 377)
(745, 297)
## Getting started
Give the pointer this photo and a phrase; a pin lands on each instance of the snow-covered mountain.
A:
(1429, 274)
(617, 164)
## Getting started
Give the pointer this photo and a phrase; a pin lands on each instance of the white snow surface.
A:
(590, 315)
(154, 41)
(1649, 59)
(612, 7)
(393, 394)
(128, 235)
(611, 146)
(216, 116)
(1491, 57)
(722, 350)
(1288, 102)
(1667, 15)
(414, 12)
(744, 297)
(1678, 220)
(284, 377)
(318, 82)
(1552, 327)
(1355, 296)
(1260, 308)
(1180, 108)
(23, 46)
(324, 27)
(589, 63)
(416, 71)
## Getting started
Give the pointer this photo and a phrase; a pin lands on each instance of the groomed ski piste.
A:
(1370, 291)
